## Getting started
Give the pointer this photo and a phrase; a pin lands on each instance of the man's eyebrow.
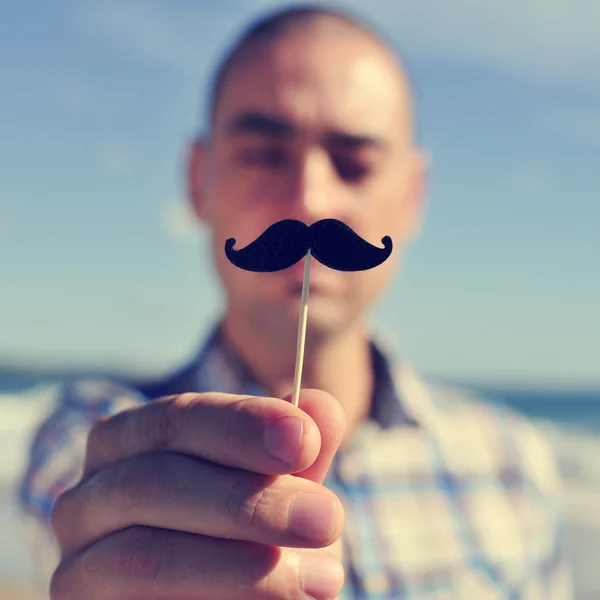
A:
(263, 124)
(350, 141)
(278, 127)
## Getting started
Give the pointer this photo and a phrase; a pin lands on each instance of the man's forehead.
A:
(329, 82)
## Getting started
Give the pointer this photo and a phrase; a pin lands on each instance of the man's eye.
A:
(350, 170)
(272, 158)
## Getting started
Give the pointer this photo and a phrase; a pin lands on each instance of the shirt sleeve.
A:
(552, 579)
(56, 458)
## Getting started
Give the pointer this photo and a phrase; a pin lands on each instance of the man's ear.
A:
(196, 177)
(416, 193)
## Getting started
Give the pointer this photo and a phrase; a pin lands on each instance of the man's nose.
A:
(315, 193)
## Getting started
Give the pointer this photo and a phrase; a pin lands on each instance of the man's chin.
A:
(279, 314)
(325, 315)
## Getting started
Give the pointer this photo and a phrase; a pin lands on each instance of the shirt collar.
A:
(219, 368)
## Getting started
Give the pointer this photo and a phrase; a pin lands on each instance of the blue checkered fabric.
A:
(447, 496)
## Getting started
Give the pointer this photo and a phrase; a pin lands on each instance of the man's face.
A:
(315, 125)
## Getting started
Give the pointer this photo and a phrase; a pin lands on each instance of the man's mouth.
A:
(322, 279)
(296, 272)
(296, 288)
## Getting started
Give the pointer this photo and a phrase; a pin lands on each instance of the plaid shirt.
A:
(446, 497)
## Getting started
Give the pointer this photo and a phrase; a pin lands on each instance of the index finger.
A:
(262, 435)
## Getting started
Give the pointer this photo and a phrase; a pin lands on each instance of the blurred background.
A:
(101, 269)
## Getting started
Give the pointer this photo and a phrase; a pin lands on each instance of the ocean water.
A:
(569, 420)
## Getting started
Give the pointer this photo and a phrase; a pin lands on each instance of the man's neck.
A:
(340, 365)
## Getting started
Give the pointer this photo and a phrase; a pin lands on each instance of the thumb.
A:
(330, 418)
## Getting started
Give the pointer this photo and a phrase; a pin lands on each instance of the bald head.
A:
(306, 20)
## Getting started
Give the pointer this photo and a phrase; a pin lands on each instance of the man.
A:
(207, 485)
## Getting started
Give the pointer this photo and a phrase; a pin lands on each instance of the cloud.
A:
(179, 222)
(117, 159)
(549, 42)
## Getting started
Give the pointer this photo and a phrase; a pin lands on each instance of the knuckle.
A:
(168, 421)
(141, 557)
(249, 499)
(61, 511)
(61, 585)
(110, 436)
(72, 576)
(98, 427)
(234, 428)
(261, 564)
(96, 434)
(136, 483)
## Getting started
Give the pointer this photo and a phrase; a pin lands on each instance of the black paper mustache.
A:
(332, 243)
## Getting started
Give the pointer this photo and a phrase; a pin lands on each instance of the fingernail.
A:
(312, 517)
(283, 438)
(321, 576)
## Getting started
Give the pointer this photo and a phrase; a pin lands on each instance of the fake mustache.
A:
(332, 243)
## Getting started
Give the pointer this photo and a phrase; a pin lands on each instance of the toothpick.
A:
(301, 330)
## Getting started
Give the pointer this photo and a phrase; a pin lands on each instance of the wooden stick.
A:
(301, 330)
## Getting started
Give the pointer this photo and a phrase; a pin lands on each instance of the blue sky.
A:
(98, 264)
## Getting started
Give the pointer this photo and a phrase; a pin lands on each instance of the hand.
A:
(205, 496)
